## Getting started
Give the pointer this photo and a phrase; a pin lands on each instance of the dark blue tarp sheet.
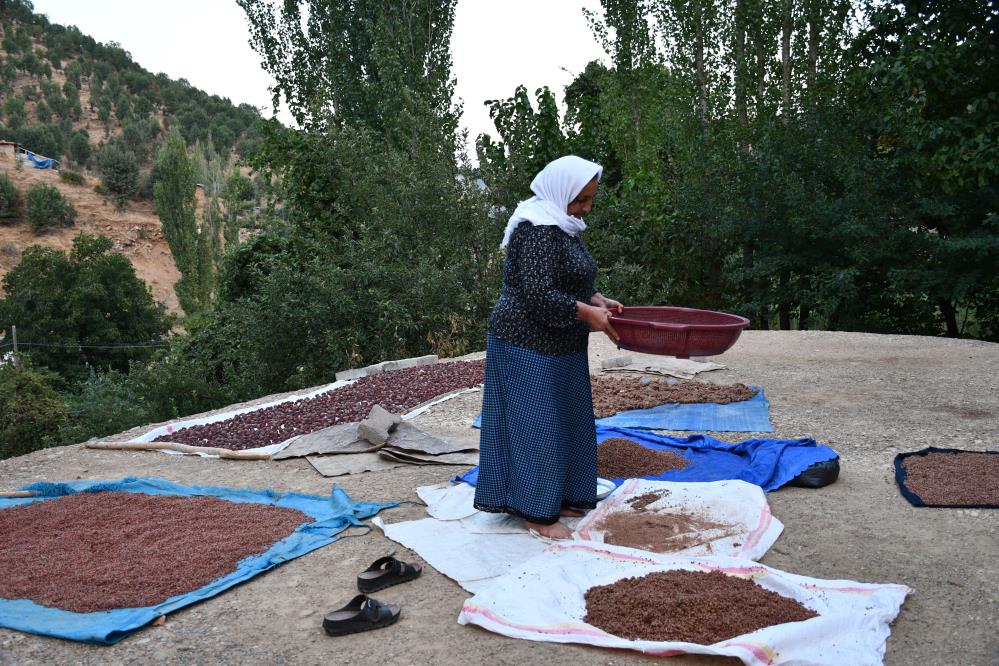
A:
(332, 515)
(768, 463)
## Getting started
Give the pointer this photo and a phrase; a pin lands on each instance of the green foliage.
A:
(31, 411)
(14, 110)
(72, 177)
(10, 199)
(119, 172)
(79, 148)
(173, 194)
(88, 307)
(46, 207)
(43, 113)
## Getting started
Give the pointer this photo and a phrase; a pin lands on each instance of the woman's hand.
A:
(597, 318)
(602, 301)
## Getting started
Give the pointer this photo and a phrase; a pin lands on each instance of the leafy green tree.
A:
(79, 148)
(31, 411)
(119, 172)
(175, 205)
(15, 112)
(381, 64)
(89, 308)
(46, 207)
(930, 86)
(10, 199)
(42, 112)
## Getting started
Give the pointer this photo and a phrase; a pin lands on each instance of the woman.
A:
(538, 457)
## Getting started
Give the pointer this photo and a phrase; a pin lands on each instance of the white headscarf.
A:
(554, 188)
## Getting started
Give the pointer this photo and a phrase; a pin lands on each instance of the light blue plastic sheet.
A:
(768, 463)
(331, 516)
(751, 415)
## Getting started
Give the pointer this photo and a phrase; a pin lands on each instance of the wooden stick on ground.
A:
(180, 448)
(16, 493)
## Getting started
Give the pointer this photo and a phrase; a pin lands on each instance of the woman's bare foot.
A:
(571, 513)
(555, 531)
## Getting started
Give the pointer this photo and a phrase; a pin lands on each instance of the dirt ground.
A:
(868, 396)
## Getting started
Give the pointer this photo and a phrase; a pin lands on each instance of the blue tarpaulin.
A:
(751, 415)
(768, 463)
(331, 516)
(38, 161)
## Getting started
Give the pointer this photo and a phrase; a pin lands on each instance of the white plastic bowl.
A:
(604, 488)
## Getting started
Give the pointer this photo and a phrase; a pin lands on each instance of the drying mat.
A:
(681, 368)
(475, 547)
(730, 518)
(768, 463)
(751, 415)
(344, 439)
(331, 516)
(915, 500)
(542, 600)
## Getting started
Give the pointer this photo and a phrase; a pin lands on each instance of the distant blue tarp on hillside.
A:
(331, 515)
(39, 162)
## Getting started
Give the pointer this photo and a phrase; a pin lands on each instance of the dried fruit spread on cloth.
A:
(98, 551)
(397, 391)
(611, 396)
(620, 458)
(690, 606)
(967, 477)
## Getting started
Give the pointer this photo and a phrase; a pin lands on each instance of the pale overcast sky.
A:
(496, 45)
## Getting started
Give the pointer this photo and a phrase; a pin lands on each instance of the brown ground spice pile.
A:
(658, 531)
(611, 396)
(619, 458)
(639, 502)
(688, 606)
(954, 478)
(97, 551)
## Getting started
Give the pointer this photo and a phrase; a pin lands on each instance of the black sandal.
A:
(362, 614)
(385, 572)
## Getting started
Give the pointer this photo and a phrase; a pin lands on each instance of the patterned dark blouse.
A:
(545, 273)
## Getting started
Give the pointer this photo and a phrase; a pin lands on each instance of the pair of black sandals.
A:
(364, 613)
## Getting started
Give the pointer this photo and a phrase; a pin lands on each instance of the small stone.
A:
(644, 381)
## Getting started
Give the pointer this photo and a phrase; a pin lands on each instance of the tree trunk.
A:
(804, 313)
(785, 58)
(763, 319)
(950, 318)
(783, 304)
(740, 64)
(702, 78)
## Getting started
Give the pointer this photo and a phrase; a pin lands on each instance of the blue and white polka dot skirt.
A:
(538, 450)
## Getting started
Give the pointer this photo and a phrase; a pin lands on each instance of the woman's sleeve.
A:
(541, 263)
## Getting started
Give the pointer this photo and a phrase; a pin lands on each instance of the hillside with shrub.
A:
(103, 117)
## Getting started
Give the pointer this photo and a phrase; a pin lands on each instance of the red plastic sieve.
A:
(675, 331)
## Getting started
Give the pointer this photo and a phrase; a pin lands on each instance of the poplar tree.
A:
(173, 194)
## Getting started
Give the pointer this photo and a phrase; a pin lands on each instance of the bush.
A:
(119, 172)
(10, 199)
(46, 207)
(31, 412)
(72, 177)
(90, 305)
(79, 148)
